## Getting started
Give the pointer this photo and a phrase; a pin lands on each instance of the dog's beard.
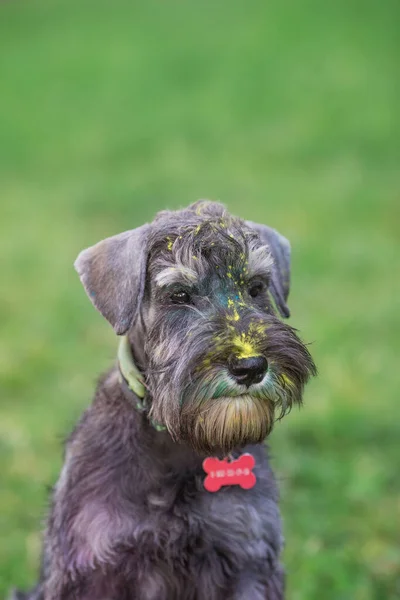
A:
(218, 415)
(219, 425)
(215, 415)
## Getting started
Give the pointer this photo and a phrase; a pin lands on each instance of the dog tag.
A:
(224, 472)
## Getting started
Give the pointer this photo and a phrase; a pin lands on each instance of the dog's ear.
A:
(113, 273)
(279, 247)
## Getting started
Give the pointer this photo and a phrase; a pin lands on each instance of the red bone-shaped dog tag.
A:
(236, 472)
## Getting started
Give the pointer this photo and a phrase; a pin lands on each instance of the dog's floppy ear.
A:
(279, 247)
(113, 273)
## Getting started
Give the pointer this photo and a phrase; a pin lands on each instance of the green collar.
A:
(128, 369)
(133, 378)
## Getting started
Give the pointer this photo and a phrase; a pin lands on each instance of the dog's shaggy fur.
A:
(130, 518)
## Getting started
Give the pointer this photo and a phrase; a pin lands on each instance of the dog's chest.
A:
(230, 522)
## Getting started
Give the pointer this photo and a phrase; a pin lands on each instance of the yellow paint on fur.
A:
(206, 362)
(244, 346)
(247, 343)
(235, 315)
(288, 382)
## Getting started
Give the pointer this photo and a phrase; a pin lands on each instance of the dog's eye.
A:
(256, 288)
(180, 297)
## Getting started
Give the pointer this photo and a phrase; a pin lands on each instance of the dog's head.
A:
(198, 292)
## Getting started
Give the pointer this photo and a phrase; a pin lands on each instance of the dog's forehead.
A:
(221, 246)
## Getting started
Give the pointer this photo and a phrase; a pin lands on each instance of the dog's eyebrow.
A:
(179, 274)
(260, 261)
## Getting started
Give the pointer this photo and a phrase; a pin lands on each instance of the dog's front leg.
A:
(253, 585)
(71, 572)
(62, 587)
(74, 542)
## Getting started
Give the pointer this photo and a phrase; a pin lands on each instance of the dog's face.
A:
(195, 289)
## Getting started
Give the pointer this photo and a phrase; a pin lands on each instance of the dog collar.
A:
(129, 370)
(132, 377)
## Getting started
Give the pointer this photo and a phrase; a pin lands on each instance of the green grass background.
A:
(286, 111)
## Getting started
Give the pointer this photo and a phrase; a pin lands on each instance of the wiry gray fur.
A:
(130, 518)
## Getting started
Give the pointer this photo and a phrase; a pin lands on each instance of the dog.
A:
(166, 492)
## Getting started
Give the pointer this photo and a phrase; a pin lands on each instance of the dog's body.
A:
(130, 518)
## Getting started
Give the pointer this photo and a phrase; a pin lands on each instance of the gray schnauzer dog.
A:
(204, 368)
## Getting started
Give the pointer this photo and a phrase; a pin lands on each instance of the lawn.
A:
(288, 112)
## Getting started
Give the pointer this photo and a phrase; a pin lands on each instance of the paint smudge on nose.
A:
(248, 343)
(244, 346)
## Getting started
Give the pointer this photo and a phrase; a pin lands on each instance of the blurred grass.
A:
(287, 112)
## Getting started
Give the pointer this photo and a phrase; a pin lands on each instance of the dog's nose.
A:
(247, 371)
